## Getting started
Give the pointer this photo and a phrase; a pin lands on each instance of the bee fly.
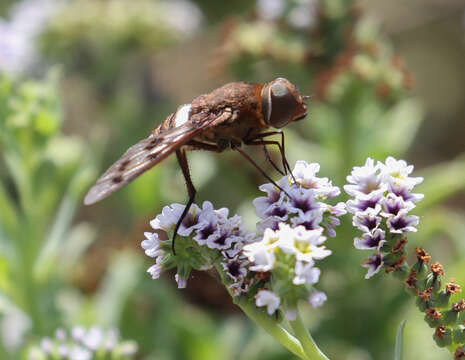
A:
(233, 114)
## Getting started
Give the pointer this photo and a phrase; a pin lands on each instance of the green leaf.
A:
(441, 182)
(398, 353)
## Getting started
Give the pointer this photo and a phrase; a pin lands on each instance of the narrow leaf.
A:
(399, 341)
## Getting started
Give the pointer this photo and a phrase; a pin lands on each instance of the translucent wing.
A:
(149, 152)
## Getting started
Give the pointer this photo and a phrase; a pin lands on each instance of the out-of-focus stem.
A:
(269, 324)
(309, 345)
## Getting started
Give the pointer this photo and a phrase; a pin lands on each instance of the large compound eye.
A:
(279, 104)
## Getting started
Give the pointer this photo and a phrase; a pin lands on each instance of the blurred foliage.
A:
(53, 272)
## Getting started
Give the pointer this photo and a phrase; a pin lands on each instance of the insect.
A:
(234, 114)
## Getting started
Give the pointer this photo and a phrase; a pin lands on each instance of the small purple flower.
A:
(365, 201)
(405, 193)
(374, 264)
(373, 240)
(310, 220)
(275, 197)
(393, 204)
(302, 201)
(367, 220)
(403, 223)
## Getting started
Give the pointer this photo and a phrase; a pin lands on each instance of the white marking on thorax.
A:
(182, 115)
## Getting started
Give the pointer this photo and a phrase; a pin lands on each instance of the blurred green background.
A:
(82, 80)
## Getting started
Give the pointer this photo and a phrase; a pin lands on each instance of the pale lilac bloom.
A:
(94, 337)
(270, 9)
(47, 345)
(181, 281)
(373, 240)
(317, 298)
(302, 201)
(155, 270)
(170, 215)
(269, 299)
(18, 36)
(374, 264)
(79, 353)
(78, 333)
(291, 314)
(275, 197)
(305, 175)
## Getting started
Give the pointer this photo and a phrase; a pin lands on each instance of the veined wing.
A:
(150, 151)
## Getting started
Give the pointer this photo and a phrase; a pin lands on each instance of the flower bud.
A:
(459, 334)
(450, 317)
(442, 336)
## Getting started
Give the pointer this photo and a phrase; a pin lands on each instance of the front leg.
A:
(182, 160)
(257, 140)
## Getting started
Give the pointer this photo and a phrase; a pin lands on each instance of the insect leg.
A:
(182, 160)
(249, 159)
(281, 147)
(267, 154)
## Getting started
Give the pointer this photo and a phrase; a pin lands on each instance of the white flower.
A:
(93, 339)
(170, 216)
(269, 299)
(79, 353)
(317, 298)
(306, 273)
(260, 256)
(305, 175)
(396, 172)
(364, 179)
(78, 332)
(152, 244)
(47, 345)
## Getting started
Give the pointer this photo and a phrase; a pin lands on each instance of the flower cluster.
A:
(18, 36)
(204, 235)
(83, 344)
(300, 14)
(276, 266)
(382, 199)
(300, 200)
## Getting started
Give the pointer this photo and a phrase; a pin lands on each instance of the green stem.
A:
(273, 328)
(309, 345)
(262, 319)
